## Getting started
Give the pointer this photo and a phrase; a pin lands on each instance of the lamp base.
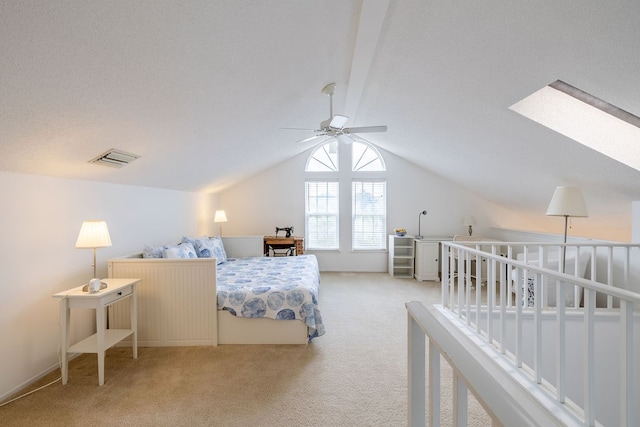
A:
(417, 237)
(94, 285)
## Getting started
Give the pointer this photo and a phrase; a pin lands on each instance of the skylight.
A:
(586, 119)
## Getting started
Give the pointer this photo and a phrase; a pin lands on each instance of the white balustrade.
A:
(503, 301)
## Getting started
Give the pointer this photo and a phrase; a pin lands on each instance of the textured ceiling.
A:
(200, 89)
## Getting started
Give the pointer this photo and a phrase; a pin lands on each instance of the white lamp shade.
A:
(469, 220)
(93, 234)
(567, 201)
(220, 216)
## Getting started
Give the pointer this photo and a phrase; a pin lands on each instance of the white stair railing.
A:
(495, 320)
(502, 390)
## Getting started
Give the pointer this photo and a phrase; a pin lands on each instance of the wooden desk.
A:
(283, 243)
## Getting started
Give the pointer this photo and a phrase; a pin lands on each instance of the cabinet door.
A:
(427, 260)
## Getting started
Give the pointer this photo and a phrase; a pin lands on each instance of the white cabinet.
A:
(401, 256)
(428, 257)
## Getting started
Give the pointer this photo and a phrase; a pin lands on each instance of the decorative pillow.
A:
(208, 247)
(152, 251)
(218, 250)
(204, 247)
(200, 245)
(181, 250)
(186, 239)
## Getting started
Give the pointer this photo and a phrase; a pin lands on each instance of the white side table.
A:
(103, 339)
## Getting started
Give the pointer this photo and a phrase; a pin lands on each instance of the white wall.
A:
(41, 218)
(635, 222)
(275, 197)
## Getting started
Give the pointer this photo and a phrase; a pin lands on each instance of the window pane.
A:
(369, 214)
(365, 158)
(324, 158)
(321, 215)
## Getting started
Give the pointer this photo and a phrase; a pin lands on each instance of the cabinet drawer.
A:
(117, 295)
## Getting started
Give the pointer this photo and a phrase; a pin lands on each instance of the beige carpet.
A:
(354, 375)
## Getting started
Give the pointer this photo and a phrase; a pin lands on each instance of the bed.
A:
(244, 300)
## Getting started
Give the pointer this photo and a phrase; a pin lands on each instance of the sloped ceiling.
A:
(200, 89)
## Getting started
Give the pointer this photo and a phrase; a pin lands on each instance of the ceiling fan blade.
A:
(365, 129)
(338, 121)
(307, 129)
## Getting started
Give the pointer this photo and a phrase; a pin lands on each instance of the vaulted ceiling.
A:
(201, 89)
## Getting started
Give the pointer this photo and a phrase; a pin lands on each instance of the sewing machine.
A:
(287, 230)
(287, 245)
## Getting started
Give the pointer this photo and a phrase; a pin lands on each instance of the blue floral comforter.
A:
(273, 287)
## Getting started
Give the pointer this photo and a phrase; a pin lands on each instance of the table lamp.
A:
(93, 235)
(419, 236)
(220, 216)
(469, 221)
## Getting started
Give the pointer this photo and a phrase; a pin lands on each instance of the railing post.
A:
(561, 339)
(434, 385)
(416, 373)
(446, 277)
(626, 364)
(537, 320)
(459, 401)
(589, 355)
(610, 275)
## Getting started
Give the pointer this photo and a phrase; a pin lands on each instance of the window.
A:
(369, 214)
(586, 119)
(321, 214)
(324, 158)
(365, 158)
(326, 179)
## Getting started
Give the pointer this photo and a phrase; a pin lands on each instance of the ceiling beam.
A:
(372, 16)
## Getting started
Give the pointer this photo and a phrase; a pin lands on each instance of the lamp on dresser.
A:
(470, 222)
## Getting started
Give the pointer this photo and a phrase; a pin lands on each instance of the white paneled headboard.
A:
(243, 246)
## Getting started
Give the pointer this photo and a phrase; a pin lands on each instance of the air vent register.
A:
(114, 158)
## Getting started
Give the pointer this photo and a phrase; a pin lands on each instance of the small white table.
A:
(103, 339)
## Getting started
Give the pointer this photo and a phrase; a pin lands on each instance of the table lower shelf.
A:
(90, 344)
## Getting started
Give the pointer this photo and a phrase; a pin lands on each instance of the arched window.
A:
(365, 158)
(324, 158)
(366, 184)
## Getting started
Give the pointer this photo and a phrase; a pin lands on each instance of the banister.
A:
(457, 301)
(503, 391)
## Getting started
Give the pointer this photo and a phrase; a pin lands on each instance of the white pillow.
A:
(152, 251)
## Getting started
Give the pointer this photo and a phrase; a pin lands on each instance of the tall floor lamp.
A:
(566, 202)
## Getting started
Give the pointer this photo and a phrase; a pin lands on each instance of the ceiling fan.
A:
(334, 125)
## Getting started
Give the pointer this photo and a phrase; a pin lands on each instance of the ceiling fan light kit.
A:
(334, 125)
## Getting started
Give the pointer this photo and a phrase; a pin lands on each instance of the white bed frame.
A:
(177, 303)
